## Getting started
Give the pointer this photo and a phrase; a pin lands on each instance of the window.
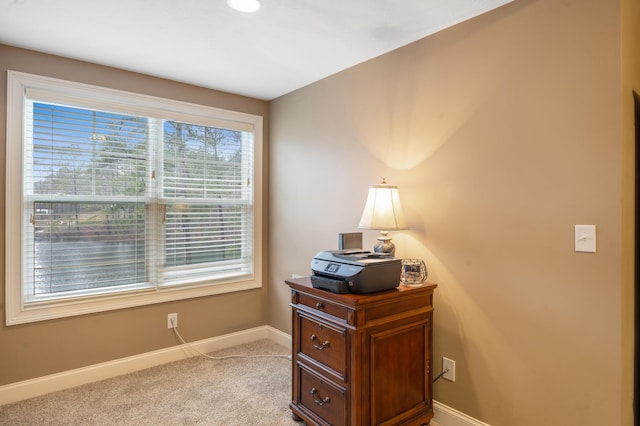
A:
(116, 199)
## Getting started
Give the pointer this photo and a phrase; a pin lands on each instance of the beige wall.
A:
(37, 349)
(502, 133)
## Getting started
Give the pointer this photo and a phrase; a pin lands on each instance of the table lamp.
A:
(383, 211)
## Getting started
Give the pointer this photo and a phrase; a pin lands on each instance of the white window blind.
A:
(130, 197)
(84, 184)
(206, 194)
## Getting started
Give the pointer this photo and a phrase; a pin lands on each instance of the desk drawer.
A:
(323, 343)
(323, 398)
(323, 306)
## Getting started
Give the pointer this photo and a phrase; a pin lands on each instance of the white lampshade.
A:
(383, 211)
(247, 6)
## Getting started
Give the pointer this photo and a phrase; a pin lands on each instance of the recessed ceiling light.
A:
(246, 6)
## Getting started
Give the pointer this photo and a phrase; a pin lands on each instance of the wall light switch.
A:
(585, 236)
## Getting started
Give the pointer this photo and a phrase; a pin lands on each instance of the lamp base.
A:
(384, 244)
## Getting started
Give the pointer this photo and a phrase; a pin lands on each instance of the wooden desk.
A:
(361, 359)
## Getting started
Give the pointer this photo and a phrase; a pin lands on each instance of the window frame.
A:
(17, 312)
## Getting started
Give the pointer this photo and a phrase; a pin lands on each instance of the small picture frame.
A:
(413, 273)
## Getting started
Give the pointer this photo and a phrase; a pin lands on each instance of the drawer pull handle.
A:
(315, 345)
(322, 401)
(319, 305)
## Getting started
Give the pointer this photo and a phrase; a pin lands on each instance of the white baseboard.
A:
(68, 379)
(447, 416)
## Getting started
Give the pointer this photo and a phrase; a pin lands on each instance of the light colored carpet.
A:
(196, 391)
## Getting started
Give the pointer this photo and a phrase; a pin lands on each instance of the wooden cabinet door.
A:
(400, 379)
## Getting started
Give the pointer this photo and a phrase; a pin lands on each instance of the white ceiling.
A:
(286, 45)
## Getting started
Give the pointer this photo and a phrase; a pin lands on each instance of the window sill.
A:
(90, 305)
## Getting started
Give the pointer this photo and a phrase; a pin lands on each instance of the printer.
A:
(354, 271)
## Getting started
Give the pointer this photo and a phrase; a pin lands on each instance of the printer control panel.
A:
(332, 268)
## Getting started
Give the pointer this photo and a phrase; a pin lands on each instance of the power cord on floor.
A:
(218, 358)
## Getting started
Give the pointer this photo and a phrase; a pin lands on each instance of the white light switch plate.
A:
(585, 238)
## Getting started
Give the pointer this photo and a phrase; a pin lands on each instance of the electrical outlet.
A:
(450, 365)
(172, 320)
